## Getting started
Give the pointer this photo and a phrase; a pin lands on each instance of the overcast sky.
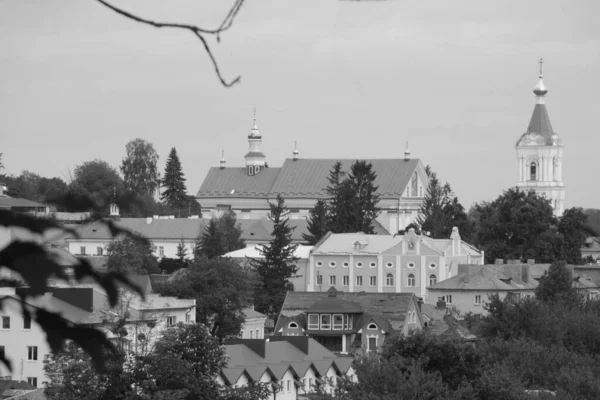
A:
(345, 79)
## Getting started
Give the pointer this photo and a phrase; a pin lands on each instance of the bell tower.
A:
(255, 159)
(540, 154)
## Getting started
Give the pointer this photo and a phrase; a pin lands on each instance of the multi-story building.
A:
(254, 324)
(540, 154)
(355, 262)
(247, 190)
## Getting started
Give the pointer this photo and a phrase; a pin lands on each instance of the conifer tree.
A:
(210, 242)
(277, 265)
(174, 194)
(317, 223)
(361, 184)
(182, 253)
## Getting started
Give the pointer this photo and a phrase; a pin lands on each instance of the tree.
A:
(231, 232)
(222, 290)
(182, 253)
(99, 181)
(211, 241)
(556, 285)
(573, 227)
(174, 194)
(518, 225)
(139, 167)
(278, 264)
(317, 223)
(131, 254)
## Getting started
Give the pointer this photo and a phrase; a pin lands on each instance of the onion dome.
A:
(540, 88)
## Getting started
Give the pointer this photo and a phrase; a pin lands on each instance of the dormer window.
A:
(372, 326)
(293, 325)
(250, 170)
(533, 171)
(256, 169)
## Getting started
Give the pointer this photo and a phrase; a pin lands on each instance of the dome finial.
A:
(540, 89)
(223, 162)
(296, 152)
(407, 152)
(254, 132)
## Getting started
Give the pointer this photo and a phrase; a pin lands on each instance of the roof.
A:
(235, 182)
(250, 313)
(261, 229)
(15, 202)
(302, 178)
(538, 125)
(301, 252)
(489, 278)
(345, 243)
(333, 304)
(176, 228)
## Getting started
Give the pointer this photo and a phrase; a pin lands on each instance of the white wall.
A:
(254, 325)
(169, 246)
(288, 391)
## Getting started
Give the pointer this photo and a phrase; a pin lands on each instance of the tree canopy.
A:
(98, 181)
(139, 167)
(131, 254)
(222, 235)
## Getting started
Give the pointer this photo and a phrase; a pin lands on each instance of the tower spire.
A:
(254, 132)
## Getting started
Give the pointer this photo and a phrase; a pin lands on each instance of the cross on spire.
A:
(541, 64)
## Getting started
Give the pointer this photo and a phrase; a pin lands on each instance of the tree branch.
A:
(199, 32)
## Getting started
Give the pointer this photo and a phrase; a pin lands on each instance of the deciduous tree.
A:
(99, 181)
(139, 167)
(131, 254)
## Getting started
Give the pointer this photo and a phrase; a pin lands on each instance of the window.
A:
(304, 383)
(250, 170)
(389, 265)
(161, 251)
(411, 280)
(372, 265)
(2, 351)
(5, 322)
(319, 279)
(477, 299)
(319, 263)
(293, 325)
(338, 321)
(359, 265)
(256, 169)
(414, 184)
(358, 280)
(188, 318)
(345, 265)
(372, 343)
(448, 299)
(372, 280)
(347, 321)
(27, 322)
(332, 280)
(289, 385)
(310, 384)
(332, 264)
(325, 322)
(313, 321)
(32, 380)
(432, 265)
(411, 265)
(99, 251)
(372, 326)
(251, 334)
(533, 171)
(82, 250)
(257, 334)
(432, 279)
(389, 280)
(32, 354)
(171, 320)
(346, 280)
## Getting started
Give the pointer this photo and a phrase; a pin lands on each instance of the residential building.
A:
(291, 366)
(254, 324)
(540, 154)
(243, 257)
(15, 390)
(247, 190)
(355, 262)
(21, 205)
(472, 287)
(349, 322)
(591, 248)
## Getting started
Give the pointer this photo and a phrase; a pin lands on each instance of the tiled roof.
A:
(483, 277)
(261, 229)
(345, 243)
(303, 178)
(308, 177)
(177, 228)
(235, 182)
(333, 304)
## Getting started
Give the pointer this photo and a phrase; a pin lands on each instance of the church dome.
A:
(540, 88)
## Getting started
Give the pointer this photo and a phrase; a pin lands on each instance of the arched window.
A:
(432, 279)
(257, 335)
(251, 334)
(411, 280)
(389, 280)
(533, 171)
(293, 325)
(414, 184)
(372, 326)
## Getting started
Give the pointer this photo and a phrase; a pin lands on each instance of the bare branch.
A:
(199, 32)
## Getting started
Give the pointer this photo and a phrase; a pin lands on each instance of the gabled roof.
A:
(483, 277)
(334, 304)
(250, 313)
(346, 243)
(261, 229)
(235, 182)
(177, 228)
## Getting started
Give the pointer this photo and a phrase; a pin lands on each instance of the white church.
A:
(540, 154)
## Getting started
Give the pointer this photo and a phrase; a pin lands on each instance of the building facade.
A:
(355, 262)
(247, 190)
(254, 324)
(540, 154)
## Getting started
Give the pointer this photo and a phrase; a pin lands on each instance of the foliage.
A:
(98, 181)
(182, 253)
(440, 211)
(593, 220)
(317, 223)
(36, 188)
(174, 194)
(222, 235)
(139, 167)
(231, 232)
(210, 243)
(573, 226)
(168, 265)
(556, 285)
(222, 290)
(278, 263)
(131, 254)
(29, 259)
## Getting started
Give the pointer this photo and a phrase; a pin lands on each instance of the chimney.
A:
(499, 261)
(148, 220)
(223, 162)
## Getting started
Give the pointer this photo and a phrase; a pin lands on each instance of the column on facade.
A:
(423, 276)
(379, 273)
(559, 168)
(398, 276)
(310, 279)
(344, 350)
(521, 168)
(351, 274)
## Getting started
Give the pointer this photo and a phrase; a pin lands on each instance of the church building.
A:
(540, 154)
(402, 183)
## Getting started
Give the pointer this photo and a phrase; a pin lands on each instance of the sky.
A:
(345, 79)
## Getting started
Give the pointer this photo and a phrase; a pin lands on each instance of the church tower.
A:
(540, 154)
(255, 159)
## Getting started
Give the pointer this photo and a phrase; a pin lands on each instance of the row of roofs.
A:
(302, 178)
